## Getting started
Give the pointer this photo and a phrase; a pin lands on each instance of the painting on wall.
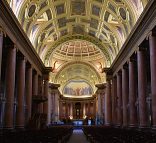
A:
(77, 88)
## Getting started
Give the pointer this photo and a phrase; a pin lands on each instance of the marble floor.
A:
(78, 137)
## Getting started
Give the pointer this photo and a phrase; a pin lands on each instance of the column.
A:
(99, 105)
(108, 109)
(20, 117)
(74, 111)
(132, 95)
(114, 100)
(53, 105)
(142, 84)
(94, 108)
(56, 106)
(61, 109)
(66, 110)
(1, 47)
(9, 90)
(152, 44)
(84, 110)
(35, 84)
(49, 115)
(40, 83)
(40, 93)
(28, 91)
(71, 110)
(35, 92)
(2, 102)
(103, 104)
(119, 99)
(46, 87)
(125, 95)
(89, 108)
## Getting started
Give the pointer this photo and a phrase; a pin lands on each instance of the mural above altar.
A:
(77, 89)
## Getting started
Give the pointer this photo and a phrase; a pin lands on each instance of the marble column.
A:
(108, 106)
(53, 105)
(132, 95)
(28, 91)
(46, 87)
(142, 85)
(20, 117)
(103, 106)
(99, 105)
(49, 117)
(56, 106)
(125, 96)
(152, 45)
(10, 87)
(35, 92)
(89, 109)
(71, 110)
(1, 49)
(119, 99)
(40, 84)
(94, 107)
(2, 103)
(114, 100)
(66, 109)
(84, 110)
(40, 93)
(35, 84)
(61, 109)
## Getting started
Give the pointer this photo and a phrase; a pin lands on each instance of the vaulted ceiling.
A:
(84, 33)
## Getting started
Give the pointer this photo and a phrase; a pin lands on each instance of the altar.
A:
(81, 122)
(77, 122)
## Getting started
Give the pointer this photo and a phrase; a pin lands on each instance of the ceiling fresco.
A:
(77, 89)
(77, 33)
(78, 71)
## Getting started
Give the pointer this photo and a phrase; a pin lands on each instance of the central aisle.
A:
(78, 137)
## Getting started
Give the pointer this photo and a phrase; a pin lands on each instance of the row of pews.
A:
(54, 134)
(106, 134)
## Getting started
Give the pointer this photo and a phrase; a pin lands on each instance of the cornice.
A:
(101, 86)
(47, 70)
(77, 99)
(54, 86)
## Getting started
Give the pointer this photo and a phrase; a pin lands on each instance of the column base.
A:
(154, 127)
(133, 126)
(125, 126)
(118, 125)
(19, 127)
(108, 124)
(143, 126)
(7, 128)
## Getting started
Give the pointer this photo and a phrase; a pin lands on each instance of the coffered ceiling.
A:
(90, 32)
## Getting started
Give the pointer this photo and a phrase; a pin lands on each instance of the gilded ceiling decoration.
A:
(78, 72)
(107, 21)
(77, 32)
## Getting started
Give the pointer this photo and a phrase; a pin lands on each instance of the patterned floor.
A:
(78, 137)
